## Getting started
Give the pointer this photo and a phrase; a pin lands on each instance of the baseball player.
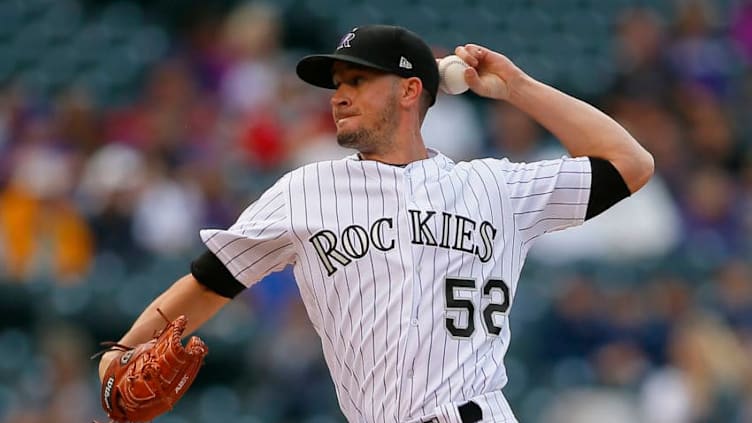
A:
(407, 262)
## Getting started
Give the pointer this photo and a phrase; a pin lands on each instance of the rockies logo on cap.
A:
(345, 42)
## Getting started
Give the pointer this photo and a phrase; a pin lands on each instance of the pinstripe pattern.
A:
(373, 246)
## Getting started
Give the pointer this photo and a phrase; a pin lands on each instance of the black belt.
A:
(470, 412)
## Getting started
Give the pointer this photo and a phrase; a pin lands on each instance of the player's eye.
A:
(352, 81)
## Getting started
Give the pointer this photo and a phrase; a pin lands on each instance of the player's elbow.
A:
(641, 168)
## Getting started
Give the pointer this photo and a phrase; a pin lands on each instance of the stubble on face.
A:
(377, 136)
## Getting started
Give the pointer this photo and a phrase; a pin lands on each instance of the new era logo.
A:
(404, 63)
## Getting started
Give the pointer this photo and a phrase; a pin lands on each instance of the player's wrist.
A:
(521, 89)
(105, 360)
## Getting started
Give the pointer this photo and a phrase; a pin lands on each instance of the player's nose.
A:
(340, 98)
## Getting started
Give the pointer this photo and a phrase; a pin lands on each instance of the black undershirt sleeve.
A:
(212, 273)
(607, 187)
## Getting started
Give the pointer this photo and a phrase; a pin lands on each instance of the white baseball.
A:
(452, 75)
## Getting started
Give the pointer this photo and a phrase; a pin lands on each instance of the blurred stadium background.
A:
(125, 126)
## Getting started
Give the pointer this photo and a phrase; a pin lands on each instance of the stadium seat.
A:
(61, 19)
(11, 17)
(589, 24)
(218, 403)
(122, 14)
(69, 301)
(355, 15)
(16, 349)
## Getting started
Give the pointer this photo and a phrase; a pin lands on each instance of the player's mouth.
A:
(341, 119)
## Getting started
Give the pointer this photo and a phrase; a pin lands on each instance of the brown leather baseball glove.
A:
(147, 380)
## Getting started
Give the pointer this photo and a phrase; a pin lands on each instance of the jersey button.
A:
(414, 322)
(410, 373)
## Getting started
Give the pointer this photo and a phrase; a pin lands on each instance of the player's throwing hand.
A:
(490, 74)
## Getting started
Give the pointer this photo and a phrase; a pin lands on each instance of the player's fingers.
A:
(472, 78)
(476, 51)
(465, 55)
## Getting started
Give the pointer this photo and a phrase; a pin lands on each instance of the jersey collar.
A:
(435, 157)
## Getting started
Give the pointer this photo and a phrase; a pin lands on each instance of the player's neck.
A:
(406, 149)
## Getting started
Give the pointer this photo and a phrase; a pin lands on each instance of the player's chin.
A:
(349, 139)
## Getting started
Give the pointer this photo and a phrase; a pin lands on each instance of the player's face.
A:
(364, 107)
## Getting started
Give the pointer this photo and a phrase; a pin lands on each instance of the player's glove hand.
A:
(147, 380)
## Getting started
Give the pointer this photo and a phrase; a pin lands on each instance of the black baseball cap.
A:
(387, 48)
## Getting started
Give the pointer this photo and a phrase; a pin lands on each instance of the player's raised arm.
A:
(582, 129)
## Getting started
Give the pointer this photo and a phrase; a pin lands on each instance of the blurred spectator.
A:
(590, 405)
(746, 200)
(110, 184)
(252, 37)
(67, 348)
(622, 360)
(275, 296)
(202, 46)
(734, 297)
(668, 302)
(6, 116)
(710, 211)
(709, 131)
(620, 364)
(55, 385)
(707, 363)
(576, 315)
(41, 230)
(220, 208)
(167, 211)
(665, 398)
(173, 119)
(78, 124)
(515, 135)
(452, 126)
(697, 54)
(741, 28)
(250, 87)
(295, 361)
(642, 73)
(12, 101)
(310, 139)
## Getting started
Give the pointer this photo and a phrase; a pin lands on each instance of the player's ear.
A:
(410, 91)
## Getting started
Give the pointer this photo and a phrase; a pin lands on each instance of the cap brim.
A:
(317, 69)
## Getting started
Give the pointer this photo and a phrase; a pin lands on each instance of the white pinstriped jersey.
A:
(408, 273)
